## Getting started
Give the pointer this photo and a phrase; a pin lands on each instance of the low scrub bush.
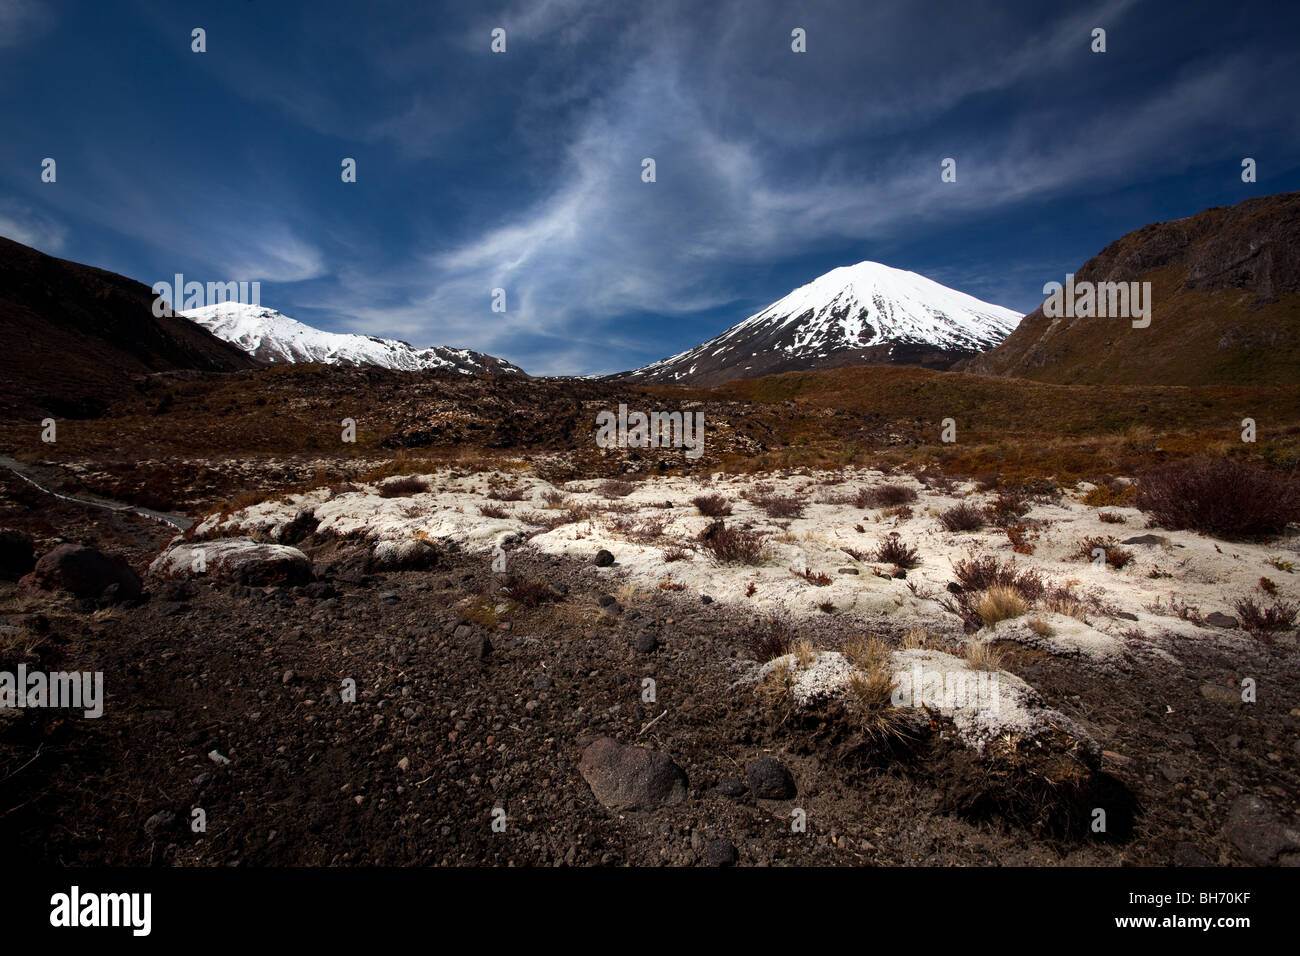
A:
(531, 592)
(732, 545)
(885, 496)
(1005, 509)
(1220, 497)
(712, 506)
(780, 506)
(818, 578)
(962, 517)
(1264, 622)
(770, 638)
(1116, 556)
(892, 550)
(402, 487)
(614, 488)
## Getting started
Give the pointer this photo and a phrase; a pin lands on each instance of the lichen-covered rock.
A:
(410, 554)
(982, 706)
(242, 560)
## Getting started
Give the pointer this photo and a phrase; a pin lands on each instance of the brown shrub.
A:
(712, 506)
(982, 573)
(885, 496)
(1111, 496)
(892, 550)
(614, 488)
(1264, 622)
(962, 517)
(770, 638)
(1005, 509)
(402, 487)
(1021, 539)
(731, 545)
(554, 498)
(1116, 556)
(1220, 497)
(780, 506)
(531, 592)
(817, 578)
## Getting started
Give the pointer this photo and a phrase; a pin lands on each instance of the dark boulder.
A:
(85, 572)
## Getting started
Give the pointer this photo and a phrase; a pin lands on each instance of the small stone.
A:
(721, 853)
(768, 778)
(403, 764)
(160, 822)
(705, 599)
(605, 600)
(543, 682)
(603, 558)
(731, 787)
(1147, 539)
(847, 571)
(288, 677)
(645, 643)
(1257, 834)
(1219, 619)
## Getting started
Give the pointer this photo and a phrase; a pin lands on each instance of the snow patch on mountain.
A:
(863, 306)
(275, 338)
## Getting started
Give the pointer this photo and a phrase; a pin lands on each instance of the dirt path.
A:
(177, 521)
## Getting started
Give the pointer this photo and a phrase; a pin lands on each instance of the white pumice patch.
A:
(1203, 573)
(982, 705)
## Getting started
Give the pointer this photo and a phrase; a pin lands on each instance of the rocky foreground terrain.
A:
(484, 666)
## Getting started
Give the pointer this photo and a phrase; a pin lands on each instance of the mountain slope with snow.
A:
(276, 339)
(854, 315)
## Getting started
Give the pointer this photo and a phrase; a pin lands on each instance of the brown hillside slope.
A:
(74, 336)
(1225, 288)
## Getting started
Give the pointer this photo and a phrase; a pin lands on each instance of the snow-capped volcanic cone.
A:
(279, 340)
(866, 314)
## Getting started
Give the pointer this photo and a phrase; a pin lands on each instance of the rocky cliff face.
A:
(1225, 293)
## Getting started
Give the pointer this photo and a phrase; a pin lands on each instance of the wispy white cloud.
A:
(38, 230)
(602, 243)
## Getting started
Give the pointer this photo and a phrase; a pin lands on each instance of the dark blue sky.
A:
(523, 170)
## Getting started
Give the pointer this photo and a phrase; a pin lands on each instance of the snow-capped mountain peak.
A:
(867, 313)
(276, 339)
